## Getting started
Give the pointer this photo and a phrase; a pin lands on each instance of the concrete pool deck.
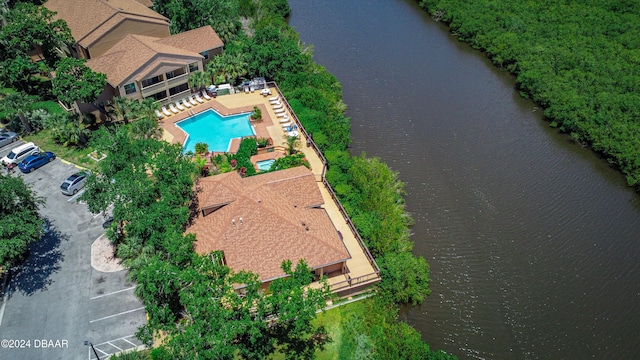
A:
(361, 270)
(225, 105)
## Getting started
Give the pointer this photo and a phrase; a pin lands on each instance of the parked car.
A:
(33, 162)
(73, 184)
(19, 153)
(7, 138)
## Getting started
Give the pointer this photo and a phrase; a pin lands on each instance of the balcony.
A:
(177, 80)
(150, 90)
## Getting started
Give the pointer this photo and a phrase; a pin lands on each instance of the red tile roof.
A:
(262, 220)
(91, 19)
(139, 54)
(196, 40)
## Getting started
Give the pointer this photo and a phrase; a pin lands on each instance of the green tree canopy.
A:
(217, 322)
(75, 81)
(28, 26)
(18, 104)
(185, 15)
(20, 224)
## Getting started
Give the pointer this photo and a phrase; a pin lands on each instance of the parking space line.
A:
(122, 338)
(114, 315)
(5, 290)
(103, 213)
(134, 347)
(110, 343)
(111, 293)
(75, 197)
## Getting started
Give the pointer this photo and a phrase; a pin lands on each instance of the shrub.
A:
(263, 142)
(202, 148)
(256, 114)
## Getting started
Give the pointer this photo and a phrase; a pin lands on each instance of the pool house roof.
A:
(261, 220)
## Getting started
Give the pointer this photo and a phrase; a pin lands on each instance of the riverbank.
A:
(527, 235)
(577, 61)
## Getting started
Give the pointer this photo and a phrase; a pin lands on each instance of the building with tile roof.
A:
(97, 25)
(131, 44)
(140, 66)
(260, 221)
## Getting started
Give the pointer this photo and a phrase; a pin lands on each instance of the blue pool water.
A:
(265, 165)
(214, 129)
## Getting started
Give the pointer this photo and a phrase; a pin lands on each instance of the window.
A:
(175, 73)
(160, 95)
(130, 88)
(193, 67)
(178, 89)
(205, 54)
(151, 81)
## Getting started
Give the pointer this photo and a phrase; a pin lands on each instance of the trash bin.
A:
(308, 143)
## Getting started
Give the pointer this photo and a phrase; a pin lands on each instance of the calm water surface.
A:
(533, 241)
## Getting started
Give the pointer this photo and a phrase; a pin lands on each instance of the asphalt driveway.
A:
(55, 304)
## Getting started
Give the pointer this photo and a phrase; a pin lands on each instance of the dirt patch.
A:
(103, 256)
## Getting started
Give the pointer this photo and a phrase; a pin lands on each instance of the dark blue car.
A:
(33, 162)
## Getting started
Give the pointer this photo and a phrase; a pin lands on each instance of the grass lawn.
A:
(52, 107)
(332, 320)
(75, 155)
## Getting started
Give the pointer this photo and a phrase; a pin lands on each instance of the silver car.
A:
(7, 137)
(73, 183)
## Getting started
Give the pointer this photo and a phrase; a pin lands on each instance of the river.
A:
(533, 241)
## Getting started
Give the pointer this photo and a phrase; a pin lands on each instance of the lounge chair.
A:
(279, 111)
(186, 103)
(286, 125)
(179, 106)
(284, 119)
(205, 95)
(192, 100)
(173, 108)
(199, 98)
(282, 114)
(275, 102)
(159, 114)
(274, 98)
(278, 107)
(165, 111)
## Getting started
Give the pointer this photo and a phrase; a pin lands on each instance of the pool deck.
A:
(361, 272)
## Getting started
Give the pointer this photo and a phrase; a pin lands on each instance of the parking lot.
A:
(56, 305)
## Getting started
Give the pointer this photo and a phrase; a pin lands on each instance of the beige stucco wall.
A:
(128, 26)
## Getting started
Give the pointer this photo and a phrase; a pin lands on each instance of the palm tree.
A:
(143, 109)
(18, 104)
(120, 106)
(214, 69)
(68, 129)
(145, 128)
(291, 142)
(198, 80)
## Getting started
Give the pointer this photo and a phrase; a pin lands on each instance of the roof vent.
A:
(233, 222)
(241, 222)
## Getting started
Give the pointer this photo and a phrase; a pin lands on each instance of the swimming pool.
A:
(265, 165)
(214, 129)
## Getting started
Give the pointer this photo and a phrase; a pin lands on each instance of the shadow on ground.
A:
(43, 260)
